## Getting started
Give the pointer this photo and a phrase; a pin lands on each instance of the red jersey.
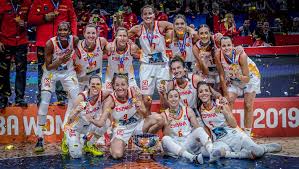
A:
(46, 30)
(225, 32)
(11, 33)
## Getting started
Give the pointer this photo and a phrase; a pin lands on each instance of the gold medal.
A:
(18, 18)
(163, 82)
(90, 54)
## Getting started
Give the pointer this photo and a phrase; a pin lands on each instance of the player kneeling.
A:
(84, 120)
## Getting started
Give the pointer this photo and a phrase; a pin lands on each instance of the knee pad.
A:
(75, 150)
(44, 104)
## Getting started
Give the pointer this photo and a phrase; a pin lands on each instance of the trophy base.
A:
(144, 158)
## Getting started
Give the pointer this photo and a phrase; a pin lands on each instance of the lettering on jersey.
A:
(61, 53)
(178, 124)
(185, 92)
(124, 108)
(209, 115)
(115, 58)
(144, 85)
(47, 82)
(120, 132)
(88, 111)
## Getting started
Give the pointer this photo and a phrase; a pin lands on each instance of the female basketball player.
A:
(238, 75)
(120, 58)
(89, 60)
(128, 113)
(182, 134)
(220, 121)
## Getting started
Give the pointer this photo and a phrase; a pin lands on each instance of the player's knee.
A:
(166, 139)
(75, 150)
(117, 153)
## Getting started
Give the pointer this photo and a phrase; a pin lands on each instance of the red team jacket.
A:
(46, 30)
(10, 32)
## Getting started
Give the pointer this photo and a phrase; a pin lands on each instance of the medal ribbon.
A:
(233, 59)
(15, 8)
(182, 46)
(56, 5)
(150, 36)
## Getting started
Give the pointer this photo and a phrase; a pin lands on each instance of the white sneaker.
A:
(272, 147)
(198, 159)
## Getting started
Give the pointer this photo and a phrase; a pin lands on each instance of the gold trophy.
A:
(146, 142)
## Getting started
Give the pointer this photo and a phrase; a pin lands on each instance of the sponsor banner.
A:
(273, 117)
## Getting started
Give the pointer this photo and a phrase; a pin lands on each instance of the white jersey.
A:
(153, 46)
(58, 52)
(91, 62)
(183, 48)
(94, 109)
(234, 68)
(208, 60)
(120, 63)
(188, 93)
(215, 121)
(181, 127)
(124, 113)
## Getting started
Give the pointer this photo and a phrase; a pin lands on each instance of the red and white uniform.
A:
(126, 120)
(82, 126)
(235, 138)
(120, 63)
(234, 84)
(213, 75)
(188, 94)
(65, 72)
(184, 48)
(90, 62)
(154, 62)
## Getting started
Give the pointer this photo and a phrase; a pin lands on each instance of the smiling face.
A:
(95, 86)
(179, 26)
(63, 31)
(204, 34)
(204, 93)
(177, 69)
(148, 15)
(90, 34)
(122, 37)
(173, 98)
(226, 46)
(120, 87)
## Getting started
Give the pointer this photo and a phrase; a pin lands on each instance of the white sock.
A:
(170, 146)
(40, 130)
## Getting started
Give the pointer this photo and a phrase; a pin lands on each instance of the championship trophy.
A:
(146, 142)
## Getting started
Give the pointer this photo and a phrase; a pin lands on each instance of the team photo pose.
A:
(121, 53)
(58, 67)
(204, 51)
(89, 59)
(153, 59)
(87, 109)
(181, 40)
(129, 115)
(226, 134)
(238, 75)
(183, 137)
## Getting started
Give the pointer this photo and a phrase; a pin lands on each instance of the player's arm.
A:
(230, 119)
(244, 66)
(165, 26)
(49, 50)
(166, 128)
(78, 107)
(138, 101)
(200, 60)
(192, 118)
(107, 110)
(135, 51)
(221, 73)
(134, 31)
